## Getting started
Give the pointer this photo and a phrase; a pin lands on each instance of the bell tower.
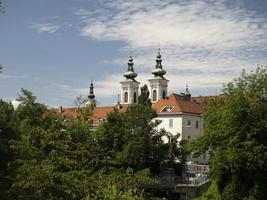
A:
(129, 87)
(158, 84)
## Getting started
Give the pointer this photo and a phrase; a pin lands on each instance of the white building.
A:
(180, 115)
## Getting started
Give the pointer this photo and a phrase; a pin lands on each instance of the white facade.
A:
(179, 124)
(129, 91)
(189, 126)
(158, 88)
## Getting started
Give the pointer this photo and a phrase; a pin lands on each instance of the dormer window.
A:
(167, 109)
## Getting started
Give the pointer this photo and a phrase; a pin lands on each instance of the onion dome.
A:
(130, 74)
(158, 71)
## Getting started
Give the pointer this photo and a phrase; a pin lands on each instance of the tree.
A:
(130, 139)
(54, 158)
(7, 133)
(52, 153)
(236, 135)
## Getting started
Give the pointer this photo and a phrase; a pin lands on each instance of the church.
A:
(178, 113)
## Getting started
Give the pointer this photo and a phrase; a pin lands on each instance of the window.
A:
(163, 94)
(154, 95)
(135, 97)
(188, 123)
(170, 123)
(188, 137)
(167, 109)
(125, 97)
(196, 123)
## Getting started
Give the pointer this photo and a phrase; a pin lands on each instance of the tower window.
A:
(154, 95)
(135, 97)
(163, 94)
(197, 124)
(125, 97)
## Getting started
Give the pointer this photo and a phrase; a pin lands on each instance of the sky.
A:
(55, 48)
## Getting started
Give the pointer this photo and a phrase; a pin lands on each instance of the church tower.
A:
(129, 87)
(91, 96)
(158, 84)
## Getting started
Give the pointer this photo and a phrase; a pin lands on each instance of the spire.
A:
(91, 95)
(187, 93)
(130, 74)
(158, 71)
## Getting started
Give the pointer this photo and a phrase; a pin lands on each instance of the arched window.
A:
(154, 95)
(135, 98)
(125, 97)
(163, 94)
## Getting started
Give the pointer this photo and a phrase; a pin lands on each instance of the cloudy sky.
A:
(54, 48)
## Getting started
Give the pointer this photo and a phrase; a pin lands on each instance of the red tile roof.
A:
(102, 112)
(180, 105)
(98, 112)
(195, 105)
(71, 112)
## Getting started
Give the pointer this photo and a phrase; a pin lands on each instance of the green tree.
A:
(236, 136)
(55, 158)
(7, 133)
(130, 139)
(52, 153)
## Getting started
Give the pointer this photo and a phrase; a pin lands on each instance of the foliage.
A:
(7, 133)
(130, 140)
(236, 136)
(51, 156)
(211, 194)
(120, 185)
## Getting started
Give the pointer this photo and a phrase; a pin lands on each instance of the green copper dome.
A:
(158, 71)
(130, 74)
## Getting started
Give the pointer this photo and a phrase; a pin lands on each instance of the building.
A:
(178, 113)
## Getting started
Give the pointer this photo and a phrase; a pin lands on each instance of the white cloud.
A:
(45, 27)
(201, 24)
(203, 43)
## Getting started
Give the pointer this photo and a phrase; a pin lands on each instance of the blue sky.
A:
(54, 48)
